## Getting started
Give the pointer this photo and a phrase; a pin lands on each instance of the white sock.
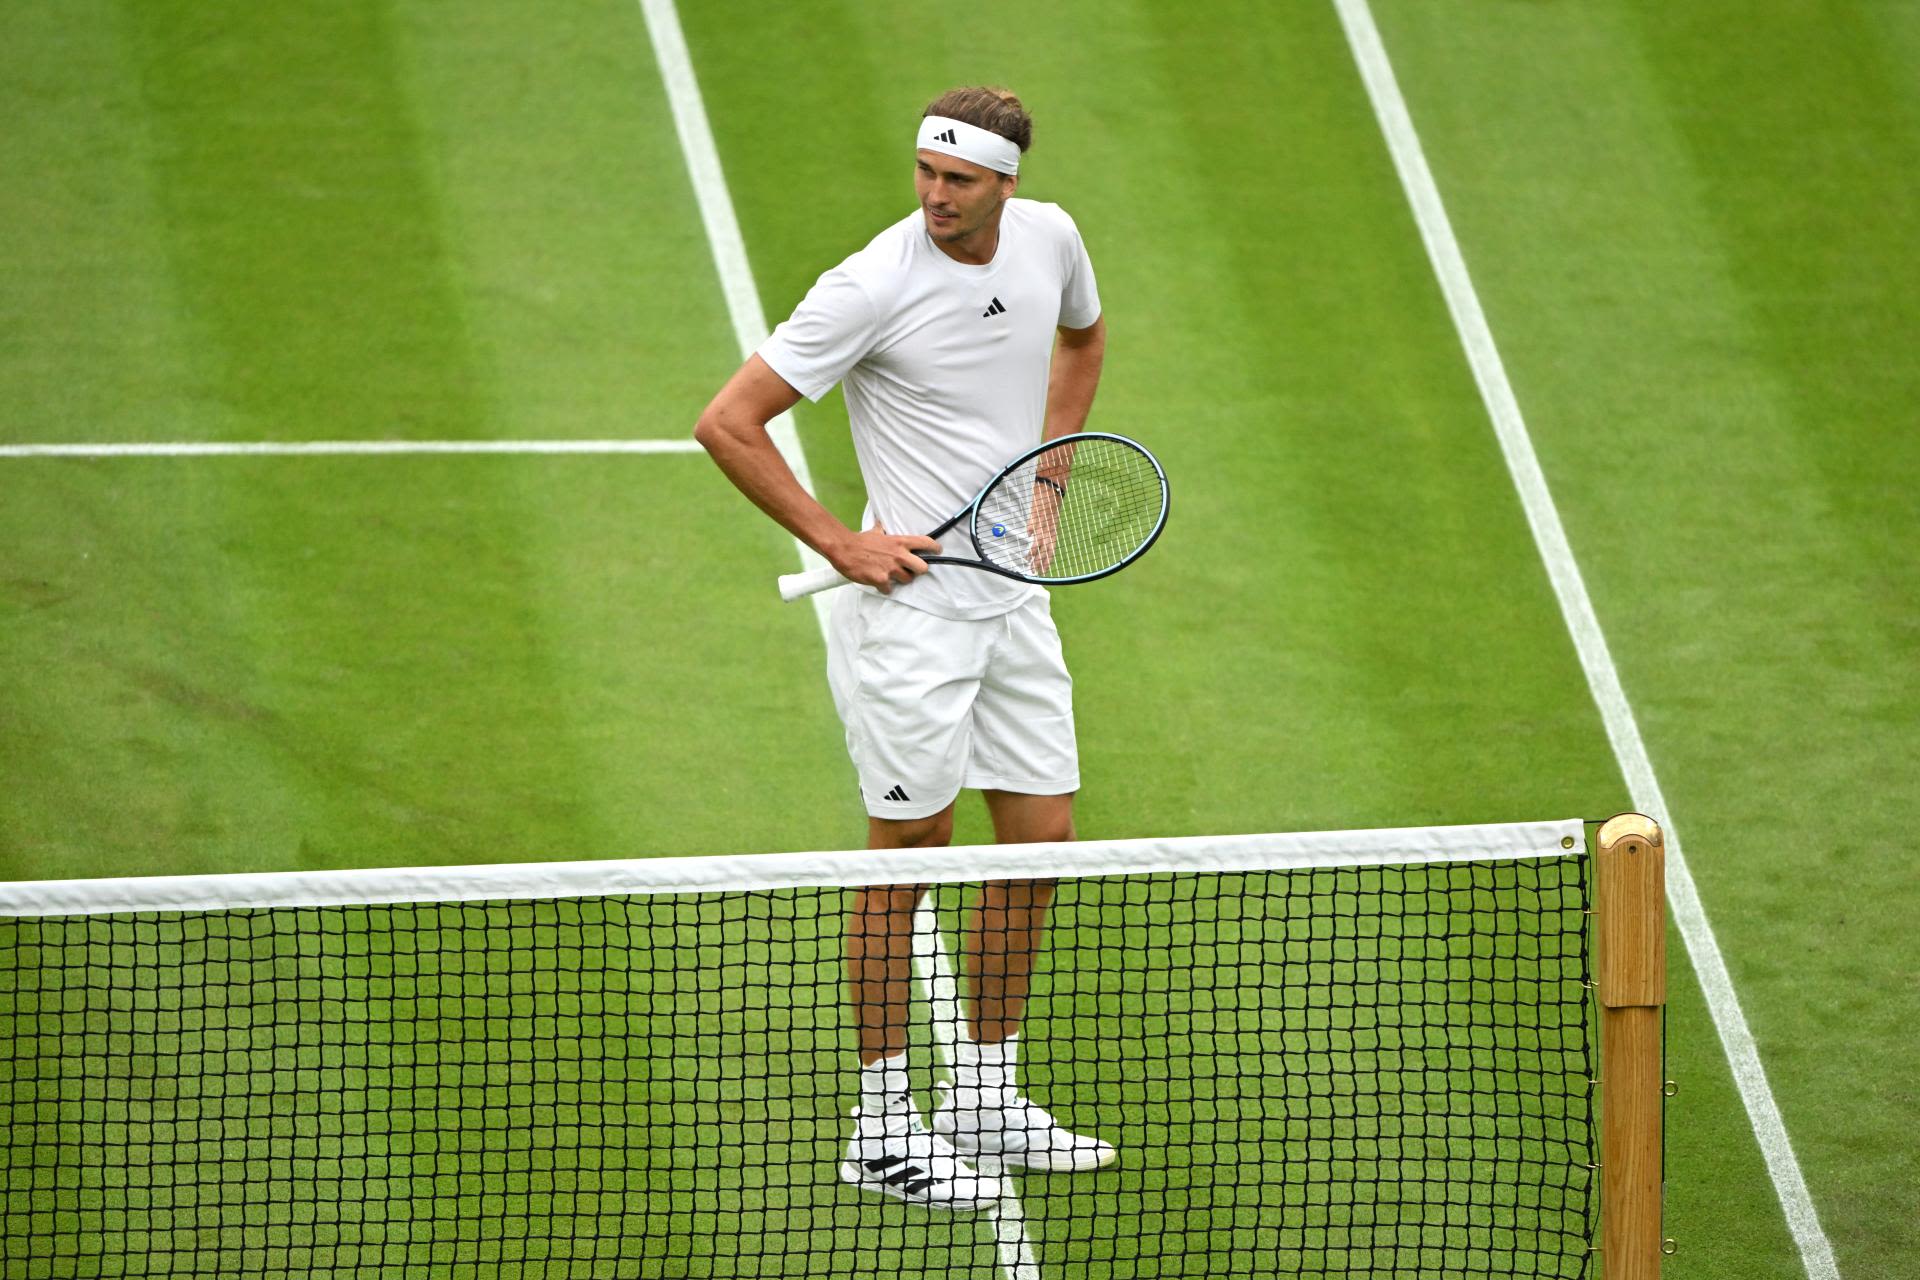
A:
(885, 1104)
(988, 1068)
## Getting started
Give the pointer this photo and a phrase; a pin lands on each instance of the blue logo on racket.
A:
(999, 531)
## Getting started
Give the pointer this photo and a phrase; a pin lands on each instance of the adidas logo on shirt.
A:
(998, 308)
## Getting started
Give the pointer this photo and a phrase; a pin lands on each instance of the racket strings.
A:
(1073, 511)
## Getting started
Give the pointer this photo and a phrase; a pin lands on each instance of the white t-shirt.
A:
(945, 367)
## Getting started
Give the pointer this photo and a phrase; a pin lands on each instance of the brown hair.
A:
(995, 110)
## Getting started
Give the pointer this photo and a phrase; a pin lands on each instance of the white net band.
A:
(757, 872)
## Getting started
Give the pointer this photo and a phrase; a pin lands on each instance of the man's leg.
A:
(880, 938)
(1004, 929)
(891, 1150)
(902, 683)
(984, 1111)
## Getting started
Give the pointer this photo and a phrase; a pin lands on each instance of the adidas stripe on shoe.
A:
(910, 1163)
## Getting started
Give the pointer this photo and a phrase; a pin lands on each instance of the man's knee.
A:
(1027, 819)
(932, 832)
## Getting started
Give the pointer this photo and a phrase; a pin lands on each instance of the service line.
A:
(339, 448)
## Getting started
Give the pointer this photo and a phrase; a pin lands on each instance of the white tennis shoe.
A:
(1003, 1125)
(904, 1160)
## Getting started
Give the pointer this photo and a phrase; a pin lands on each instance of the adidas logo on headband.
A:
(969, 142)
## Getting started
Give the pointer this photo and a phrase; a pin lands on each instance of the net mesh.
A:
(1332, 1071)
(1080, 509)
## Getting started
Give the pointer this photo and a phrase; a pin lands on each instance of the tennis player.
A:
(963, 334)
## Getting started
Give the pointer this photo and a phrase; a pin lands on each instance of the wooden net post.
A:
(1630, 935)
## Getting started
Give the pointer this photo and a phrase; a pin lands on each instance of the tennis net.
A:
(1362, 1053)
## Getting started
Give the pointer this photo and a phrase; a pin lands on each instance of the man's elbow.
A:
(717, 430)
(706, 432)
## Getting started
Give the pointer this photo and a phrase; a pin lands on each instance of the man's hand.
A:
(880, 559)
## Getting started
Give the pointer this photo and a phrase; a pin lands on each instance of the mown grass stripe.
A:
(1583, 624)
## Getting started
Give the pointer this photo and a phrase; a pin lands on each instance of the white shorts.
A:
(932, 705)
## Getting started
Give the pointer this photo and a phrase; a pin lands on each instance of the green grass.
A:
(1693, 230)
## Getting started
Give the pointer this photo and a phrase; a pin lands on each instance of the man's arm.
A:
(1071, 382)
(733, 430)
(1074, 377)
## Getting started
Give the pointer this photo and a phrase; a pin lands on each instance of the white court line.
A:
(1743, 1054)
(723, 236)
(750, 330)
(340, 448)
(940, 987)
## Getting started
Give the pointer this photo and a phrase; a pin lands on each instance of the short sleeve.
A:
(1079, 297)
(827, 334)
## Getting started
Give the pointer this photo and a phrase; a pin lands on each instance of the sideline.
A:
(750, 329)
(723, 235)
(1743, 1054)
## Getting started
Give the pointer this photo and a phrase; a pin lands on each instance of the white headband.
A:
(969, 142)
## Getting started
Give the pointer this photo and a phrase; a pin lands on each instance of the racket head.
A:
(1071, 510)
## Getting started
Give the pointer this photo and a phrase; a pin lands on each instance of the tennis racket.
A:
(1074, 509)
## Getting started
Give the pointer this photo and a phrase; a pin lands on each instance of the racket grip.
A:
(795, 585)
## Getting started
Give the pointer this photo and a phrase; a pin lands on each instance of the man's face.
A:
(957, 196)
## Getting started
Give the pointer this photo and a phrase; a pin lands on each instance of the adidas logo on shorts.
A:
(897, 796)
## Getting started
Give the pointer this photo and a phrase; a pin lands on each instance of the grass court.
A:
(1695, 231)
